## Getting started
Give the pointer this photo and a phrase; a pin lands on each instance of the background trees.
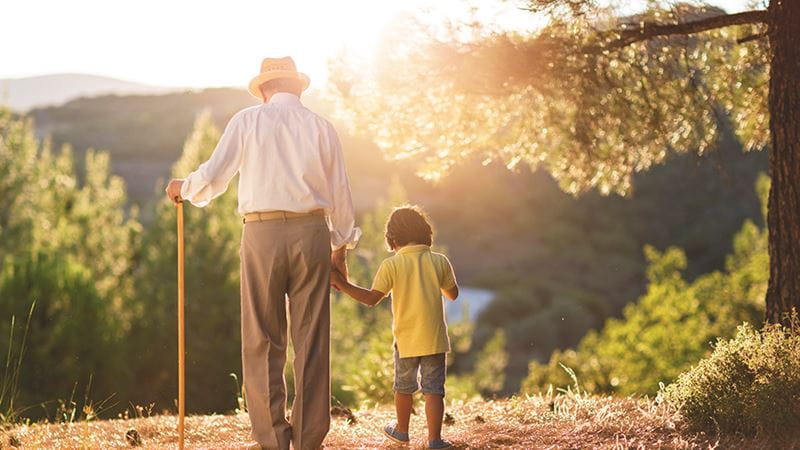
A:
(68, 247)
(594, 97)
(560, 265)
(672, 326)
(212, 291)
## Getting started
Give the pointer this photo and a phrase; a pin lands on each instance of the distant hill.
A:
(22, 94)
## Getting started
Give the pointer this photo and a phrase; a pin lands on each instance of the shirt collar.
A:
(285, 98)
(413, 249)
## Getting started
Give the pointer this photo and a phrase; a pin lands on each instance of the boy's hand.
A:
(339, 260)
(337, 279)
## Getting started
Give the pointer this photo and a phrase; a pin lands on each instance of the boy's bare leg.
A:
(402, 406)
(434, 412)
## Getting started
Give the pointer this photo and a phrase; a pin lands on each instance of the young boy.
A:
(417, 278)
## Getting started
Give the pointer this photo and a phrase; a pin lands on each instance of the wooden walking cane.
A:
(181, 351)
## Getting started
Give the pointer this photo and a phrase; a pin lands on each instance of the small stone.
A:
(341, 411)
(448, 419)
(480, 419)
(133, 438)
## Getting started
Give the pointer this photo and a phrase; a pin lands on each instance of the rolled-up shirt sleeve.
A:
(341, 217)
(211, 179)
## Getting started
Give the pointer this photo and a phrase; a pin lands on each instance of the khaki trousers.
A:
(286, 262)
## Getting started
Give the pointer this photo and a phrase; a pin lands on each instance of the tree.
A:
(672, 326)
(491, 365)
(595, 96)
(47, 207)
(212, 236)
(73, 338)
(66, 242)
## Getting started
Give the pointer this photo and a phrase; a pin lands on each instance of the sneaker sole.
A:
(395, 439)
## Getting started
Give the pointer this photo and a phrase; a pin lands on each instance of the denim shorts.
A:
(431, 369)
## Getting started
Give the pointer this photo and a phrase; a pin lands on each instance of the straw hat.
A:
(272, 68)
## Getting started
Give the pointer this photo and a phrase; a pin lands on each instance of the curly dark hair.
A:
(406, 225)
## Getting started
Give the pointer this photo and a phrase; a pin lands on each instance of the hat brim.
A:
(262, 78)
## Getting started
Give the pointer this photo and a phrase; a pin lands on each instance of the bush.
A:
(73, 336)
(749, 384)
(211, 240)
(671, 326)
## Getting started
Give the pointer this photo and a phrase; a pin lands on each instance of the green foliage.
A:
(490, 369)
(18, 171)
(73, 335)
(368, 375)
(48, 208)
(461, 376)
(211, 239)
(561, 265)
(670, 327)
(563, 97)
(362, 354)
(68, 244)
(545, 253)
(12, 370)
(749, 384)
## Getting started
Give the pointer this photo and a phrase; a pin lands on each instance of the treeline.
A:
(672, 326)
(560, 265)
(68, 253)
(87, 294)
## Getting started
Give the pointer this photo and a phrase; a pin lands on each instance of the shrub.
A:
(749, 384)
(491, 365)
(72, 337)
(671, 326)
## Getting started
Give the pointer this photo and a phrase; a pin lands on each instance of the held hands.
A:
(339, 261)
(338, 281)
(173, 190)
(369, 297)
(339, 267)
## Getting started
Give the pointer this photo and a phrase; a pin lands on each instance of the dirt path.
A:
(539, 422)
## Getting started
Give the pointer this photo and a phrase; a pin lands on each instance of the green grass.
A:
(9, 386)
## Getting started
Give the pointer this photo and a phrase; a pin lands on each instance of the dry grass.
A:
(539, 422)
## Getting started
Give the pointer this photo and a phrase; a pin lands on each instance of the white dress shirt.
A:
(288, 158)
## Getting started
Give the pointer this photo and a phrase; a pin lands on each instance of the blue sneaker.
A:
(392, 433)
(439, 443)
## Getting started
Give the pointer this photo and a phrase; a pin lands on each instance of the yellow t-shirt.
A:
(415, 276)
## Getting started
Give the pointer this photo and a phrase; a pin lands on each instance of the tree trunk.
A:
(783, 217)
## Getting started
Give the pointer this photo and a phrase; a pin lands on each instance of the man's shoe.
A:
(439, 443)
(391, 432)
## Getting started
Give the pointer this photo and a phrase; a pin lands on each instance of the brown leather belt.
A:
(280, 215)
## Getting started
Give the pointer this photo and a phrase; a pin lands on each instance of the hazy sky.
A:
(199, 43)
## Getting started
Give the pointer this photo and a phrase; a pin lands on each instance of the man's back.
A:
(288, 158)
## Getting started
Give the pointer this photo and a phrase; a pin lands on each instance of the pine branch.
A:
(649, 30)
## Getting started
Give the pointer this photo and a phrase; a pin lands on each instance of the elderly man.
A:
(298, 221)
